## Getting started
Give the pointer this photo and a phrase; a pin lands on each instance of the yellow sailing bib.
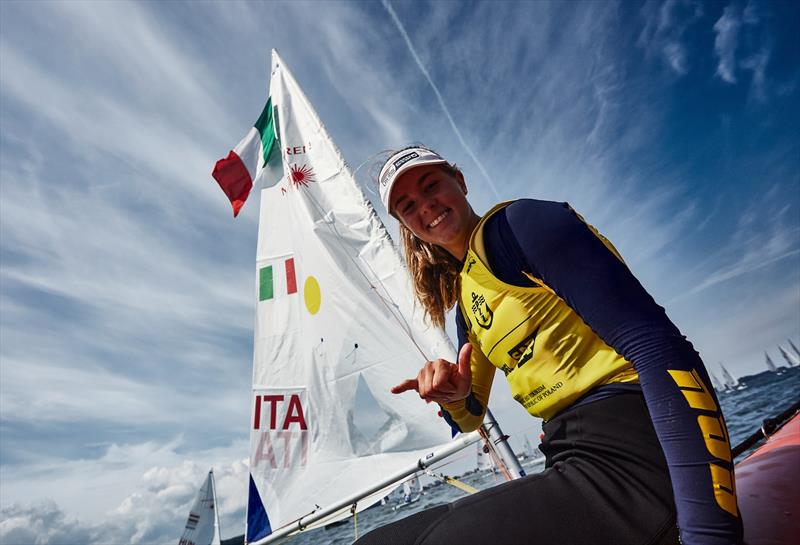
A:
(549, 355)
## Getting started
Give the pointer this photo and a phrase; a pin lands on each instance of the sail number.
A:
(279, 424)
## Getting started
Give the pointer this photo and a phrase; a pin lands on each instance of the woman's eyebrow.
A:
(419, 182)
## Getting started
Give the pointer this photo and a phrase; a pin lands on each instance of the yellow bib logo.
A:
(481, 311)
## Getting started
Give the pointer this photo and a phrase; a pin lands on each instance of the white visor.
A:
(399, 163)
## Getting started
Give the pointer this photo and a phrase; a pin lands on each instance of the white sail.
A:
(730, 382)
(715, 382)
(202, 526)
(336, 327)
(770, 363)
(790, 358)
(796, 350)
(527, 449)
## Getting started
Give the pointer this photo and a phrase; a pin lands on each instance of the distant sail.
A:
(527, 449)
(336, 327)
(796, 351)
(770, 363)
(790, 359)
(729, 382)
(715, 382)
(202, 527)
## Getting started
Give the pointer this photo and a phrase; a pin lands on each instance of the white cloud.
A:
(43, 523)
(733, 23)
(726, 41)
(757, 63)
(146, 491)
(665, 24)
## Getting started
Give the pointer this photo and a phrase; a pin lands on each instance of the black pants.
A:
(605, 482)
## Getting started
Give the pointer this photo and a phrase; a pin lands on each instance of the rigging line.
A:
(499, 462)
(404, 325)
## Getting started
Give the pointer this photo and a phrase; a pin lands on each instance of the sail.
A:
(796, 351)
(790, 359)
(336, 326)
(770, 364)
(730, 382)
(715, 382)
(202, 527)
(527, 449)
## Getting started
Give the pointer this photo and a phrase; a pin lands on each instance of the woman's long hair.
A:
(434, 270)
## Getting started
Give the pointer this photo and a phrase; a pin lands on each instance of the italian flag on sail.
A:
(256, 157)
(272, 283)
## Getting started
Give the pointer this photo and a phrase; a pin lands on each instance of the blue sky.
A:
(125, 285)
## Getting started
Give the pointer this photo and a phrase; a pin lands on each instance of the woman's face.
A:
(432, 203)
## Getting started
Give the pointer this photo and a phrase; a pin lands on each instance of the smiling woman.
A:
(434, 267)
(635, 442)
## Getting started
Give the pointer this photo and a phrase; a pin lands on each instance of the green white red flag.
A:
(256, 158)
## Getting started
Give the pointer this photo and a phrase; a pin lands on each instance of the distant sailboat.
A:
(730, 383)
(527, 449)
(716, 383)
(796, 351)
(790, 359)
(202, 527)
(770, 363)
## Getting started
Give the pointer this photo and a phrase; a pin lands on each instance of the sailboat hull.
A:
(767, 489)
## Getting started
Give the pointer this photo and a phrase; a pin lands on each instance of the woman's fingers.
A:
(406, 385)
(464, 356)
(439, 381)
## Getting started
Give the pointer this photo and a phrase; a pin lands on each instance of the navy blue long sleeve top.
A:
(549, 241)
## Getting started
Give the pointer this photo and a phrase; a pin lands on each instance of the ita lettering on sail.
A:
(280, 429)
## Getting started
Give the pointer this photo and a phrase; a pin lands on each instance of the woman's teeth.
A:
(438, 220)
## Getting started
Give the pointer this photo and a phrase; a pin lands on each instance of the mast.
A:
(498, 440)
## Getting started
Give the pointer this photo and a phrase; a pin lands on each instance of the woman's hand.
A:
(442, 381)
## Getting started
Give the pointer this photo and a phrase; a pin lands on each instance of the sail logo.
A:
(480, 309)
(194, 518)
(280, 428)
(297, 150)
(277, 278)
(301, 175)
